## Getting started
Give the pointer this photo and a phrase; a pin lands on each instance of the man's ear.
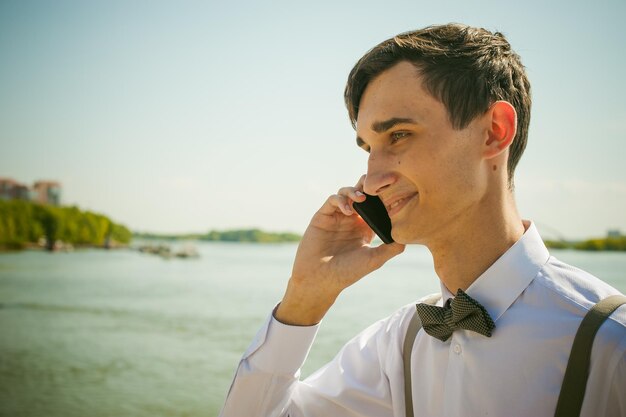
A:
(503, 126)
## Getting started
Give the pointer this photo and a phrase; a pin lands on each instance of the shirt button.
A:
(457, 349)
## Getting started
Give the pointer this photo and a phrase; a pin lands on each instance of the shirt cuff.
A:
(281, 348)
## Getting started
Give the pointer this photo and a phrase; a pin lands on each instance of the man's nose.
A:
(379, 174)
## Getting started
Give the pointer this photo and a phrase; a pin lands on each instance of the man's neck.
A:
(476, 242)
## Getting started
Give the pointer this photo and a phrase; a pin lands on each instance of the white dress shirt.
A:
(536, 302)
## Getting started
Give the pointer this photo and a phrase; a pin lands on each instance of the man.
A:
(444, 114)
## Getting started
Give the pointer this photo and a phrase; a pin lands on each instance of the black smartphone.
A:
(373, 211)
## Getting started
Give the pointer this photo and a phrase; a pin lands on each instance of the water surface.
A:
(104, 333)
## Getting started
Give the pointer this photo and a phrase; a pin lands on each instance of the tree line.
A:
(250, 235)
(602, 244)
(24, 222)
(239, 235)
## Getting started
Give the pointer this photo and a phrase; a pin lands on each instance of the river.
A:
(112, 333)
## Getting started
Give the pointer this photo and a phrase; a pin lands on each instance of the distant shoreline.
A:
(63, 247)
(236, 235)
(608, 244)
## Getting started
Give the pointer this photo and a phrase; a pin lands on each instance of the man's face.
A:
(430, 176)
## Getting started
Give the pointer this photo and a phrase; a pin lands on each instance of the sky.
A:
(187, 116)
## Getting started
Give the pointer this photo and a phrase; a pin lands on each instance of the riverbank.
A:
(235, 235)
(610, 244)
(591, 245)
(57, 247)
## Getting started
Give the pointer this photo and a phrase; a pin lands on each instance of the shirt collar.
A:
(500, 285)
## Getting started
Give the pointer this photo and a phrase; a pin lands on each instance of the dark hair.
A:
(465, 68)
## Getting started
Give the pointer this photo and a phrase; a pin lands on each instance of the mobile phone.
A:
(373, 211)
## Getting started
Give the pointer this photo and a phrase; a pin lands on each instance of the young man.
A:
(443, 113)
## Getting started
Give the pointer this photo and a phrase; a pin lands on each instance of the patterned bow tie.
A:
(462, 312)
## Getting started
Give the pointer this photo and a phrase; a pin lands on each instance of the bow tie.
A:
(462, 312)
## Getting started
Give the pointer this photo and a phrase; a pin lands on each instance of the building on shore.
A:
(43, 192)
(46, 192)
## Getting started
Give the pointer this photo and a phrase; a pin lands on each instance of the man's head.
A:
(467, 69)
(442, 111)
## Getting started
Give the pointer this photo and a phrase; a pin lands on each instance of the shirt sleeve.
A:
(268, 370)
(267, 379)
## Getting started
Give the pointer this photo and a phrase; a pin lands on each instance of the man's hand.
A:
(334, 253)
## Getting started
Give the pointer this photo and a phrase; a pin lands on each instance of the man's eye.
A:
(396, 136)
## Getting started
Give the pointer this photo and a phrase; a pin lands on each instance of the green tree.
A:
(24, 222)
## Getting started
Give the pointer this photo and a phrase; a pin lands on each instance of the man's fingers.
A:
(381, 254)
(353, 193)
(342, 201)
(336, 203)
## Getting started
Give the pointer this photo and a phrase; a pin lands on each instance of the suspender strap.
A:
(414, 326)
(409, 339)
(577, 371)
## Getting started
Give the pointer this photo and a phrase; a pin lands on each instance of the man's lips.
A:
(395, 204)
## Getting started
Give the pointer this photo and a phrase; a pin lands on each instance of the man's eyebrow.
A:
(385, 125)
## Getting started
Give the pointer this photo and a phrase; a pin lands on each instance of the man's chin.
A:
(400, 236)
(406, 235)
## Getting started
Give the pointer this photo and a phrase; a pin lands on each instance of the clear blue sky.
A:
(177, 116)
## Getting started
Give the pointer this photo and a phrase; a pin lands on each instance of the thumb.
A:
(381, 254)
